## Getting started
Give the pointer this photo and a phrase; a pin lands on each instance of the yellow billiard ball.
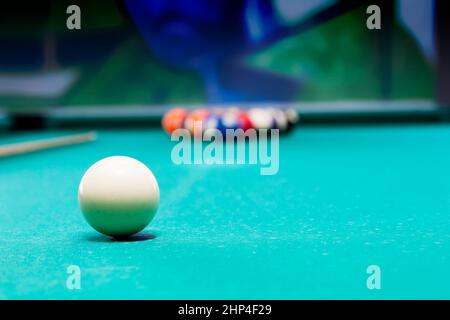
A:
(118, 196)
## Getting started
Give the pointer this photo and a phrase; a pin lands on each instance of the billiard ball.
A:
(210, 123)
(292, 117)
(228, 120)
(174, 119)
(261, 118)
(217, 110)
(281, 120)
(196, 116)
(118, 196)
(244, 121)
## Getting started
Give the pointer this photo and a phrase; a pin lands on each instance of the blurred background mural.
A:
(153, 52)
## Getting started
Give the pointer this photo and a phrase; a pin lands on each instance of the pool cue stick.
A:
(44, 144)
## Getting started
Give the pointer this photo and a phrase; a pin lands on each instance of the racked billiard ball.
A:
(228, 120)
(281, 121)
(261, 118)
(292, 117)
(174, 119)
(209, 124)
(194, 118)
(244, 121)
(118, 196)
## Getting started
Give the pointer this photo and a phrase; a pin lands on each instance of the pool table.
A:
(346, 197)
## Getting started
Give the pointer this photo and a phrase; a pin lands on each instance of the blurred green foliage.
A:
(132, 75)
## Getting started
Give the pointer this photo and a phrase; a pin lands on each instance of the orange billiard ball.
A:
(174, 119)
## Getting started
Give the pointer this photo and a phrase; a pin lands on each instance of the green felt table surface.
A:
(345, 197)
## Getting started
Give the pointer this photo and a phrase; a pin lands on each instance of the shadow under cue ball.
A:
(118, 196)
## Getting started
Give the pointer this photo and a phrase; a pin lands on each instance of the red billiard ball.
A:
(280, 119)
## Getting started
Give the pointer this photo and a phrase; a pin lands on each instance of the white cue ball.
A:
(118, 196)
(292, 115)
(260, 118)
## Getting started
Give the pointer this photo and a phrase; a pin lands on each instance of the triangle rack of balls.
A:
(230, 118)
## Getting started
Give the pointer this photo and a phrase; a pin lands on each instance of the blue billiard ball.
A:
(293, 118)
(228, 120)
